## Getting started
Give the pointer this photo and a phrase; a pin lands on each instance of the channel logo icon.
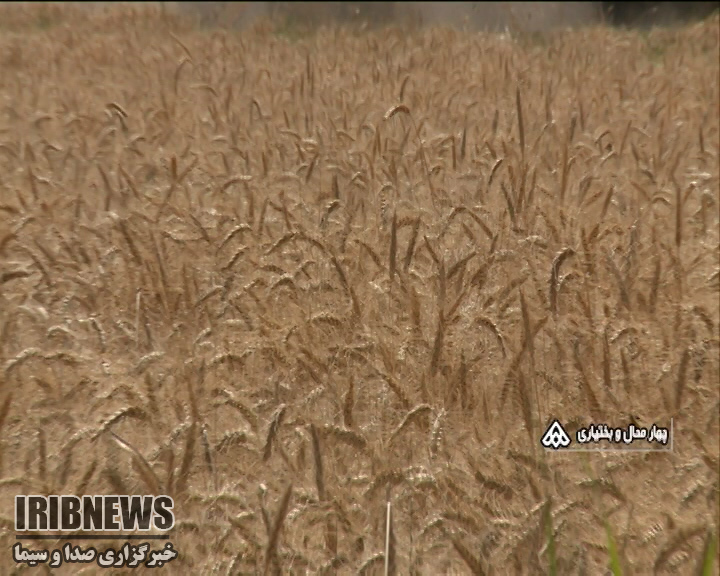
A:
(555, 437)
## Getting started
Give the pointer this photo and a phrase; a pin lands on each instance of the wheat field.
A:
(289, 278)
